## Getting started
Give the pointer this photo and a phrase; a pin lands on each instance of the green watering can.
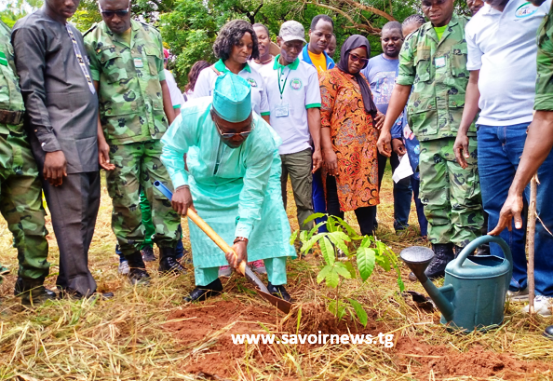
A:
(473, 295)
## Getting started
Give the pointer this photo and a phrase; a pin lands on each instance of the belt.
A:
(11, 117)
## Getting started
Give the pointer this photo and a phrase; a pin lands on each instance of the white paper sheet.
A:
(403, 170)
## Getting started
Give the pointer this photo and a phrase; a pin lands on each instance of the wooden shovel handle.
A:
(214, 237)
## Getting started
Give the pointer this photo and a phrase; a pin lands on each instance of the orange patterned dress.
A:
(353, 137)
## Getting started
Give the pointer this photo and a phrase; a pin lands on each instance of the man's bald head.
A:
(116, 14)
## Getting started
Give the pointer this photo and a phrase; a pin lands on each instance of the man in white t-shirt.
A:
(295, 100)
(177, 100)
(502, 51)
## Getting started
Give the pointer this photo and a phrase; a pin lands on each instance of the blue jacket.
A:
(305, 57)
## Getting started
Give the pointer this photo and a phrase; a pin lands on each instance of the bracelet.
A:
(182, 186)
(240, 239)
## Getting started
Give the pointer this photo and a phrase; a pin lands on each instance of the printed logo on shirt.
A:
(252, 82)
(382, 87)
(296, 84)
(525, 10)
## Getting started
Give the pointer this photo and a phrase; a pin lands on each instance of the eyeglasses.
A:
(355, 58)
(119, 13)
(229, 135)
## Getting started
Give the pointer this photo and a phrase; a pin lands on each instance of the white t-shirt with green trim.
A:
(177, 100)
(299, 83)
(206, 83)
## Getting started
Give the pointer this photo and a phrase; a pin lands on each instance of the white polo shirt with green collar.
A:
(291, 90)
(206, 83)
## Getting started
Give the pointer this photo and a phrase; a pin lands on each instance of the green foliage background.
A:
(189, 27)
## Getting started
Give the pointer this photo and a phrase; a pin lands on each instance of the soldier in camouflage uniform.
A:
(126, 61)
(20, 188)
(433, 66)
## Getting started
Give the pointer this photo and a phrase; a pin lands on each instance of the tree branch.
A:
(368, 28)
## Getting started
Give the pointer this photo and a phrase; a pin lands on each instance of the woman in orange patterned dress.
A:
(349, 136)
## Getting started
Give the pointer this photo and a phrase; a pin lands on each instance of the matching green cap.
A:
(232, 98)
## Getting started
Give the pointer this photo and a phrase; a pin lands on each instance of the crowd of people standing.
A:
(454, 94)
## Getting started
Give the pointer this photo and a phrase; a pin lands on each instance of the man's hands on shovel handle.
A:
(511, 209)
(238, 254)
(182, 200)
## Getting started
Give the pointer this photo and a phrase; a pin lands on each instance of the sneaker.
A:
(225, 271)
(258, 266)
(148, 254)
(124, 268)
(542, 305)
(518, 296)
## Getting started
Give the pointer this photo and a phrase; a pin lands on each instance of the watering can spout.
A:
(417, 258)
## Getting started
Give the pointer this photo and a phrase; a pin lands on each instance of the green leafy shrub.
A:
(345, 254)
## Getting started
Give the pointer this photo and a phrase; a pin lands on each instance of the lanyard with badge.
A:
(282, 110)
(80, 59)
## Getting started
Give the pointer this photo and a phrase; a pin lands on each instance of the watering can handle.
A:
(486, 239)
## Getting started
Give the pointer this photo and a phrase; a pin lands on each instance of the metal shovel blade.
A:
(281, 304)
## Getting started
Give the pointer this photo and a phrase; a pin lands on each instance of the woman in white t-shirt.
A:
(235, 44)
(193, 78)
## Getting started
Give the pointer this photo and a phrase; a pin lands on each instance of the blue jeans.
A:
(423, 223)
(499, 152)
(402, 192)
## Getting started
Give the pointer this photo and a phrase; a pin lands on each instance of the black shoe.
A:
(483, 249)
(148, 254)
(201, 293)
(32, 291)
(168, 262)
(443, 254)
(549, 332)
(138, 276)
(279, 292)
(76, 295)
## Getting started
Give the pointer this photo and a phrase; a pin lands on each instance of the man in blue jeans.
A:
(381, 72)
(502, 65)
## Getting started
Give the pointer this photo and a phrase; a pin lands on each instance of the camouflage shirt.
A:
(544, 82)
(439, 76)
(10, 93)
(131, 102)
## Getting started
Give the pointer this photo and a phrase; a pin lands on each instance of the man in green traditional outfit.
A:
(233, 182)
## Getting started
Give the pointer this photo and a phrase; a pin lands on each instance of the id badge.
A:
(440, 62)
(138, 62)
(282, 110)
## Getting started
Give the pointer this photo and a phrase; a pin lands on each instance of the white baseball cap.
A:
(292, 31)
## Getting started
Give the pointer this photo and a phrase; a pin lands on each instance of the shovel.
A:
(243, 268)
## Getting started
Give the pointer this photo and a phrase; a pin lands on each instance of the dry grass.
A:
(127, 338)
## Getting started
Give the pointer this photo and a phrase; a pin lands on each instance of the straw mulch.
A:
(150, 334)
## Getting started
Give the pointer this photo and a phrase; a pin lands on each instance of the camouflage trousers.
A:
(21, 205)
(137, 167)
(450, 194)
